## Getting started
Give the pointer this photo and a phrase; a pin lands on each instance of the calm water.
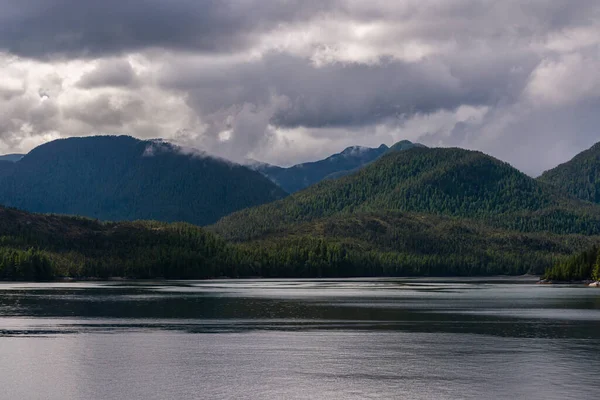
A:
(299, 339)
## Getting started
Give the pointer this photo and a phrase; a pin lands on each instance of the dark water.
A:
(300, 339)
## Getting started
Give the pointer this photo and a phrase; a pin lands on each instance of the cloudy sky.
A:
(287, 81)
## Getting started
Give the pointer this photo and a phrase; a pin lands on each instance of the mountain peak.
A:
(123, 178)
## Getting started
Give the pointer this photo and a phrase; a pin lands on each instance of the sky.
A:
(289, 81)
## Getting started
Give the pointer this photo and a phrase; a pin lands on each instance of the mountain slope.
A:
(395, 244)
(578, 267)
(350, 160)
(122, 178)
(11, 157)
(453, 182)
(39, 247)
(579, 177)
(6, 168)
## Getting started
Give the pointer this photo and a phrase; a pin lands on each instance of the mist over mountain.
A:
(122, 178)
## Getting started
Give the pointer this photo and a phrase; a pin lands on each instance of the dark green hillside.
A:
(122, 178)
(579, 177)
(404, 244)
(34, 247)
(350, 160)
(581, 266)
(38, 247)
(451, 182)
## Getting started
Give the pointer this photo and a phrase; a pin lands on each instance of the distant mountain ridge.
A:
(350, 160)
(11, 157)
(579, 177)
(123, 178)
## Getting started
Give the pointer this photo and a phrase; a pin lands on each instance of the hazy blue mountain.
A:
(11, 157)
(122, 178)
(6, 168)
(350, 160)
(579, 177)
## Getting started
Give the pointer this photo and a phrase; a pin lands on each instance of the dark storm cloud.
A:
(76, 28)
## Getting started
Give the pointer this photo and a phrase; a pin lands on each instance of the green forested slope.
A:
(581, 266)
(452, 182)
(579, 177)
(37, 247)
(122, 178)
(405, 244)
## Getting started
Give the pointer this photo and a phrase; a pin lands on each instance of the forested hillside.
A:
(581, 266)
(122, 178)
(452, 182)
(39, 247)
(406, 244)
(579, 177)
(350, 160)
(419, 212)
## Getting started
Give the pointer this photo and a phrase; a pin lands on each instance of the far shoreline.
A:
(517, 279)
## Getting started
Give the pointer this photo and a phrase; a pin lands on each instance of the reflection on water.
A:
(297, 339)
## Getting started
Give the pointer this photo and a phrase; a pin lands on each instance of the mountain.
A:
(579, 177)
(350, 160)
(453, 182)
(6, 168)
(122, 178)
(421, 212)
(11, 157)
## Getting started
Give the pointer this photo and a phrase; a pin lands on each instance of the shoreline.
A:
(517, 279)
(586, 282)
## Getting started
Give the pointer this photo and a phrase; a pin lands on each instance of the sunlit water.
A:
(299, 339)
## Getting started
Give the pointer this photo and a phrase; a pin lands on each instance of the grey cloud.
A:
(231, 81)
(110, 73)
(107, 111)
(75, 28)
(339, 94)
